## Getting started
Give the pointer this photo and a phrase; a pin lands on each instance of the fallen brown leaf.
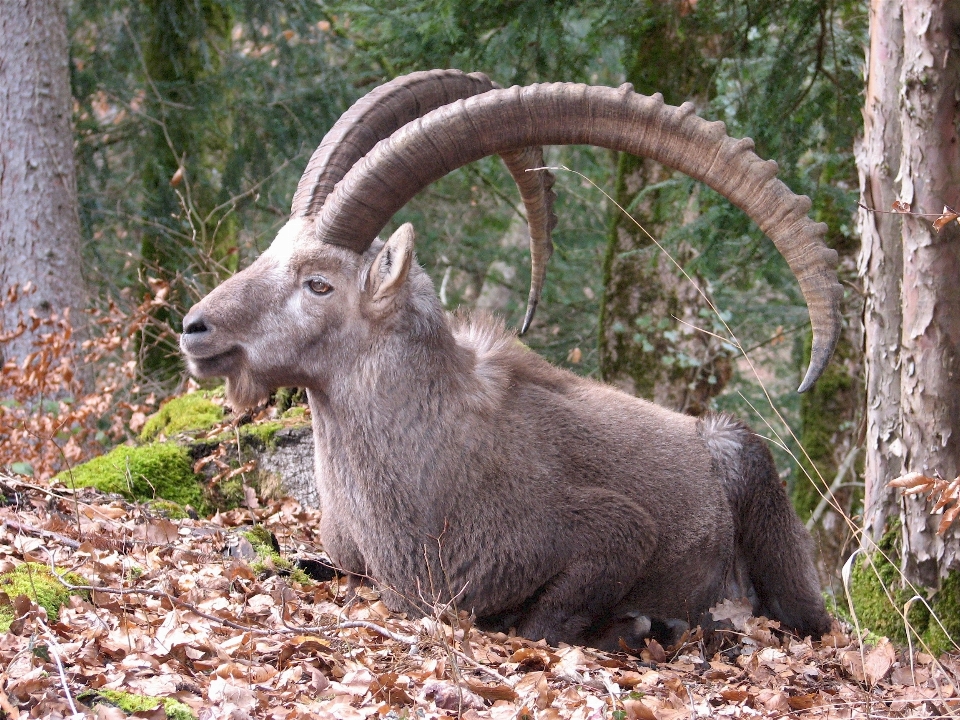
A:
(878, 662)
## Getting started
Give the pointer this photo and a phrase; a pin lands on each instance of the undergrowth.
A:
(54, 411)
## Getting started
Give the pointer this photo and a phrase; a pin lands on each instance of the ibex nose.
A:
(193, 324)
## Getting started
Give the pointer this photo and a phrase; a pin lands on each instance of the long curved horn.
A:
(386, 109)
(618, 119)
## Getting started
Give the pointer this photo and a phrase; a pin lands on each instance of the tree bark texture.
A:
(881, 263)
(39, 227)
(912, 123)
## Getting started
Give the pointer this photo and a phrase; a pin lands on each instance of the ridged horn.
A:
(386, 109)
(501, 121)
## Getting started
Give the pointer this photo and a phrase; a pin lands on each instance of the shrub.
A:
(68, 401)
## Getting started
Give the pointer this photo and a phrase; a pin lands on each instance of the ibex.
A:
(453, 463)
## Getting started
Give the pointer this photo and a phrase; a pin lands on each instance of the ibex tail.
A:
(773, 547)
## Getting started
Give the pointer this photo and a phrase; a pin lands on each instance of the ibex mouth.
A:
(221, 364)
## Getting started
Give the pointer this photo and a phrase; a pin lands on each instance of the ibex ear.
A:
(391, 267)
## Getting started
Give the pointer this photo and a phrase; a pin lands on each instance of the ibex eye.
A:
(319, 286)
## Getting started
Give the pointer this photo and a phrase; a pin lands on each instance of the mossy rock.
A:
(38, 583)
(879, 596)
(263, 433)
(260, 435)
(132, 703)
(195, 411)
(157, 470)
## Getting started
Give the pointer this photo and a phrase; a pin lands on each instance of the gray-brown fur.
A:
(453, 463)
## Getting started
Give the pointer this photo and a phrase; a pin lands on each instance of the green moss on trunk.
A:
(946, 607)
(880, 595)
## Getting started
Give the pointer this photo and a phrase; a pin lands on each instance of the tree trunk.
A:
(39, 227)
(930, 360)
(910, 273)
(643, 349)
(881, 262)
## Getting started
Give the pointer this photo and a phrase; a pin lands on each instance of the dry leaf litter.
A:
(179, 613)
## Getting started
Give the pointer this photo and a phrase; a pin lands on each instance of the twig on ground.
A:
(54, 649)
(40, 532)
(379, 629)
(483, 668)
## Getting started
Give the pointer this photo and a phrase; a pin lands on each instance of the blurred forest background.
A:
(195, 118)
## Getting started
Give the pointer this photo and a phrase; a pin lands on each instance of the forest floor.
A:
(173, 618)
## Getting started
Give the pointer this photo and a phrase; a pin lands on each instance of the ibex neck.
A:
(406, 379)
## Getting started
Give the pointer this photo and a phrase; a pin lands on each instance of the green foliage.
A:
(232, 90)
(517, 42)
(824, 412)
(38, 583)
(194, 411)
(156, 470)
(237, 94)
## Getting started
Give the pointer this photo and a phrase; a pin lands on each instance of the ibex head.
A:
(275, 323)
(283, 320)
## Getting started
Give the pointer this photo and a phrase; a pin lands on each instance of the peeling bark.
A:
(913, 347)
(881, 264)
(930, 361)
(39, 227)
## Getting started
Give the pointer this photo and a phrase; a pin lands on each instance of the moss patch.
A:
(195, 411)
(299, 412)
(269, 560)
(265, 432)
(158, 470)
(879, 596)
(131, 703)
(262, 435)
(39, 584)
(946, 606)
(167, 509)
(229, 493)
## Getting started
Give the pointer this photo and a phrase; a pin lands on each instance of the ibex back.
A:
(454, 463)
